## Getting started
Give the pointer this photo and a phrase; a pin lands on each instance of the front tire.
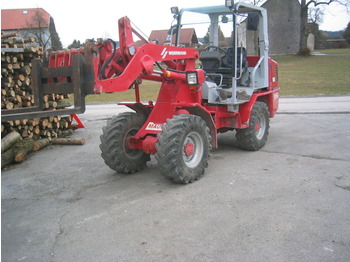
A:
(183, 148)
(254, 137)
(114, 143)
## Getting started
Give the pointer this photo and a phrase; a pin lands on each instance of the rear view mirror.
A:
(253, 21)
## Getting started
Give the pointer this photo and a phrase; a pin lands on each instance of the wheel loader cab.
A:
(234, 51)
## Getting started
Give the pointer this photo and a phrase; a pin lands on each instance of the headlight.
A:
(175, 10)
(229, 3)
(192, 78)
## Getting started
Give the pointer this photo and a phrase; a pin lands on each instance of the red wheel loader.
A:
(225, 87)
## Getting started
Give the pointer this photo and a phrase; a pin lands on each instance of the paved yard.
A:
(287, 202)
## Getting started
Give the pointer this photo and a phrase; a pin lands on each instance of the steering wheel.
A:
(216, 48)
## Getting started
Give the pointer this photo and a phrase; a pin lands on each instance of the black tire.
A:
(113, 145)
(254, 137)
(183, 148)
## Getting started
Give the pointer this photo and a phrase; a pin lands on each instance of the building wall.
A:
(283, 26)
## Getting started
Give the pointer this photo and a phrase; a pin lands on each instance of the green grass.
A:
(339, 51)
(298, 76)
(315, 75)
(148, 91)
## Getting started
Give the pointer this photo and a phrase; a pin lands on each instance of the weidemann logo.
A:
(153, 126)
(165, 53)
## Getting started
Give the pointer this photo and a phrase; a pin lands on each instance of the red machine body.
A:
(119, 69)
(132, 64)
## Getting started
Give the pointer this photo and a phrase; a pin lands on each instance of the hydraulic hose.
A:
(105, 64)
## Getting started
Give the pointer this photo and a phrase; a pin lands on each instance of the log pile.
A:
(16, 67)
(37, 128)
(16, 81)
(17, 92)
(14, 149)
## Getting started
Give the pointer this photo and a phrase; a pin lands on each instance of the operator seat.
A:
(213, 62)
(230, 52)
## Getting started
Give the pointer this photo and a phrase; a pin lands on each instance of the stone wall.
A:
(283, 26)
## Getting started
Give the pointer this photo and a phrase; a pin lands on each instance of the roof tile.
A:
(13, 19)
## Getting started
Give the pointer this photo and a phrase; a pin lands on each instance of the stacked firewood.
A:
(16, 67)
(16, 81)
(48, 127)
(17, 93)
(16, 90)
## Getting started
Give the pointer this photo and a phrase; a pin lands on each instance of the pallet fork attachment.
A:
(75, 79)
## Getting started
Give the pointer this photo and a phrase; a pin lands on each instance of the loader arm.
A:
(117, 69)
(141, 66)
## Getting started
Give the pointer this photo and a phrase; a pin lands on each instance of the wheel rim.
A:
(192, 149)
(260, 127)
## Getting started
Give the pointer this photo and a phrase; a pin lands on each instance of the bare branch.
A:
(345, 3)
(319, 3)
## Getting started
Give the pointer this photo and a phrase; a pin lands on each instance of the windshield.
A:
(213, 29)
(212, 26)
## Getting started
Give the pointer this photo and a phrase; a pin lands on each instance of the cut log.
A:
(9, 140)
(40, 144)
(67, 132)
(23, 149)
(52, 104)
(31, 49)
(62, 104)
(63, 124)
(25, 133)
(17, 152)
(26, 70)
(68, 141)
(9, 105)
(36, 130)
(7, 157)
(3, 36)
(44, 122)
(29, 40)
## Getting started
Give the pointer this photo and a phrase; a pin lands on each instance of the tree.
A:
(207, 36)
(55, 39)
(305, 5)
(315, 15)
(38, 28)
(44, 31)
(75, 44)
(346, 33)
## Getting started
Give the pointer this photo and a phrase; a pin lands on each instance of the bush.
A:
(304, 52)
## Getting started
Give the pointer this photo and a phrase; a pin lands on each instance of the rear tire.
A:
(254, 137)
(114, 147)
(183, 148)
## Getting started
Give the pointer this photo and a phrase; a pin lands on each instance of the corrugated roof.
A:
(13, 19)
(187, 36)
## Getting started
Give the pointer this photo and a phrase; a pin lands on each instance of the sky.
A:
(81, 20)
